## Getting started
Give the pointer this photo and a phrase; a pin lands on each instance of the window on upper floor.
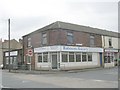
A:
(44, 38)
(110, 42)
(29, 42)
(69, 38)
(92, 40)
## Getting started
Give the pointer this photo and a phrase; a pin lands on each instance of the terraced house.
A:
(64, 46)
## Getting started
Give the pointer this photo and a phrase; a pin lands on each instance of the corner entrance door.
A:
(54, 61)
(100, 59)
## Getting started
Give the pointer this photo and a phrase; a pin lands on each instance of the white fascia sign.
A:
(47, 49)
(67, 48)
(13, 53)
(75, 49)
(81, 49)
(111, 50)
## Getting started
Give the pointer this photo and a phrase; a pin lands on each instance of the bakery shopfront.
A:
(67, 57)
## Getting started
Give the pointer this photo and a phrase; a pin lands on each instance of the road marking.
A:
(113, 73)
(99, 80)
(104, 81)
(24, 81)
(1, 86)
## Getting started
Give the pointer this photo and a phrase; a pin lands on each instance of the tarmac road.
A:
(103, 78)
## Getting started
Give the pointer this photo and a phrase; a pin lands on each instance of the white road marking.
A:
(99, 80)
(1, 86)
(112, 73)
(105, 81)
(24, 81)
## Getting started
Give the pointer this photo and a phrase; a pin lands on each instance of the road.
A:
(103, 78)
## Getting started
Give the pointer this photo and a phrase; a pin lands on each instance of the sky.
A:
(29, 15)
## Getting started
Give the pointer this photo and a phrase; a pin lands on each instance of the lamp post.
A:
(9, 43)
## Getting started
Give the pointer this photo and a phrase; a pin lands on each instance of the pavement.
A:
(55, 71)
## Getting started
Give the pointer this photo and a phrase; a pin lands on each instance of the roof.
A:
(70, 26)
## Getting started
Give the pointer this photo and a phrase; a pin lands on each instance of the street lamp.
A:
(9, 43)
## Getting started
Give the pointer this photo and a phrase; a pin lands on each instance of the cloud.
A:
(29, 15)
(22, 26)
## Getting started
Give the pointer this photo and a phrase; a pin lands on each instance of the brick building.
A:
(65, 46)
(15, 53)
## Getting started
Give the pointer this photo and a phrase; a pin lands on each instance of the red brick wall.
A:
(53, 38)
(36, 40)
(59, 37)
(81, 38)
(98, 41)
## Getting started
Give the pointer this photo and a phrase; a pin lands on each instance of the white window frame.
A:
(82, 56)
(29, 42)
(44, 38)
(70, 34)
(73, 56)
(38, 58)
(43, 57)
(89, 53)
(92, 40)
(62, 57)
(79, 53)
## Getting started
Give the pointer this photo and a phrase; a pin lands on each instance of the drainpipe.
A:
(103, 61)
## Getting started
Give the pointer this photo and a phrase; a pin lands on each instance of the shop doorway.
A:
(101, 59)
(54, 60)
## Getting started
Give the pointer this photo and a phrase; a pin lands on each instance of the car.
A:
(1, 66)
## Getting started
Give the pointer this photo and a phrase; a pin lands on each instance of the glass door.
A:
(54, 60)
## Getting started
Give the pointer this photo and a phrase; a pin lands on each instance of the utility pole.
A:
(9, 43)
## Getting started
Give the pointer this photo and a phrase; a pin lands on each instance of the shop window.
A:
(14, 59)
(108, 57)
(78, 57)
(7, 60)
(39, 58)
(69, 37)
(92, 40)
(64, 57)
(45, 57)
(111, 58)
(71, 57)
(89, 56)
(28, 59)
(44, 38)
(84, 57)
(11, 60)
(105, 59)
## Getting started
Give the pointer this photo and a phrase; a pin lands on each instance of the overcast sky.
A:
(29, 15)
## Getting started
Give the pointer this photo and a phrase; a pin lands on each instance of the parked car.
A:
(1, 66)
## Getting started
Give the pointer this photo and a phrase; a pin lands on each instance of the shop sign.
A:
(13, 53)
(81, 49)
(30, 52)
(111, 50)
(67, 48)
